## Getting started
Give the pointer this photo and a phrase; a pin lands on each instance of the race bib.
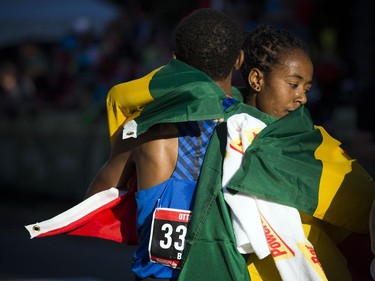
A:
(167, 239)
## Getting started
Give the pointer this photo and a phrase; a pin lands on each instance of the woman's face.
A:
(286, 87)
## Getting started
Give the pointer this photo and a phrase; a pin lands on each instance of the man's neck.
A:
(226, 86)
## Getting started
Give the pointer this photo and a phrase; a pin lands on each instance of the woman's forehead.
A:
(294, 60)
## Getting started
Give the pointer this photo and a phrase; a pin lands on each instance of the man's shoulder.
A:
(161, 131)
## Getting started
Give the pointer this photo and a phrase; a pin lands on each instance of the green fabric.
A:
(182, 93)
(210, 249)
(281, 165)
(292, 170)
(283, 152)
(210, 245)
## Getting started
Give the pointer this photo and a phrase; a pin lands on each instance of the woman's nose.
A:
(301, 97)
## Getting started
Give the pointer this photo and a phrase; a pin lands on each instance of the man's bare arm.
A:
(154, 153)
(117, 170)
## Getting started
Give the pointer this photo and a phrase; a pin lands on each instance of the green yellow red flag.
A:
(300, 165)
(292, 162)
(175, 92)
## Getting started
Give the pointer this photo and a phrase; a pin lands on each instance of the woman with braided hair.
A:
(278, 72)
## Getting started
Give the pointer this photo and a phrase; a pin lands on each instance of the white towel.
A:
(264, 227)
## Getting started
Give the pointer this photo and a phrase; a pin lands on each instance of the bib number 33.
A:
(167, 239)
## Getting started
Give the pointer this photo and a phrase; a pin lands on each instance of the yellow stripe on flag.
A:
(125, 101)
(335, 166)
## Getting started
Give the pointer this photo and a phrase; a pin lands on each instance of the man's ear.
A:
(255, 79)
(239, 61)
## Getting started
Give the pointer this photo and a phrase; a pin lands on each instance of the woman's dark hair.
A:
(266, 46)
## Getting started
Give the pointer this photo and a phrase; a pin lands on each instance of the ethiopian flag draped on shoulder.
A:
(291, 162)
(175, 92)
(300, 165)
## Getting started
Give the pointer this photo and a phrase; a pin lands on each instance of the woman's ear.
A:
(255, 77)
(239, 61)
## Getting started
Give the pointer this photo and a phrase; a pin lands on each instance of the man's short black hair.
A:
(210, 41)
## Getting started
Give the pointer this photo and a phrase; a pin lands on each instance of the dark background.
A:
(62, 60)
